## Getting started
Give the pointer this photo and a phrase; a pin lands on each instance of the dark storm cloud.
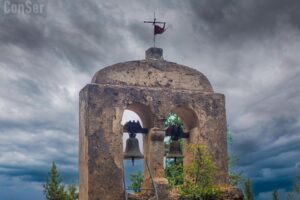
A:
(141, 32)
(279, 182)
(238, 20)
(275, 129)
(39, 175)
(44, 62)
(22, 32)
(75, 31)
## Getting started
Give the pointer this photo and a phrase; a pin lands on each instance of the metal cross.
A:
(154, 22)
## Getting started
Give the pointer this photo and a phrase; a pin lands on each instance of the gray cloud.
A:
(239, 20)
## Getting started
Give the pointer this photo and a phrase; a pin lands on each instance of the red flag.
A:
(158, 29)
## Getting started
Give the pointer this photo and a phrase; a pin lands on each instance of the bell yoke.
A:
(132, 150)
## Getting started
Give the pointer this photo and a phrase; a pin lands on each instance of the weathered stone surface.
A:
(153, 73)
(154, 53)
(152, 88)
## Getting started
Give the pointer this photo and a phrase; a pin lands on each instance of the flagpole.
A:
(159, 31)
(154, 30)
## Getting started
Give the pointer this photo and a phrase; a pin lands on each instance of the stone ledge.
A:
(231, 193)
(227, 193)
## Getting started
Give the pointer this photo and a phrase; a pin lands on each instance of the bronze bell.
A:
(174, 150)
(132, 150)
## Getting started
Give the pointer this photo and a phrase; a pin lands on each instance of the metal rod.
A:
(154, 22)
(131, 188)
(126, 197)
(154, 29)
(153, 183)
(151, 22)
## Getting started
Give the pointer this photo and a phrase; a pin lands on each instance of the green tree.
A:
(296, 188)
(200, 176)
(290, 196)
(136, 181)
(72, 193)
(229, 135)
(53, 188)
(248, 190)
(275, 195)
(297, 182)
(235, 177)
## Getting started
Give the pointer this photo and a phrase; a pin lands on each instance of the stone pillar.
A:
(101, 149)
(156, 161)
(215, 130)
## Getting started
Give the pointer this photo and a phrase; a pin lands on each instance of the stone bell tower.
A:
(152, 88)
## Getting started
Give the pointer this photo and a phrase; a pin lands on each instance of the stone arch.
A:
(191, 124)
(128, 168)
(145, 115)
(147, 119)
(144, 112)
(187, 115)
(129, 115)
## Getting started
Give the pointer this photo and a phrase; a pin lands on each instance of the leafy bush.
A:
(200, 174)
(173, 119)
(174, 172)
(136, 181)
(190, 191)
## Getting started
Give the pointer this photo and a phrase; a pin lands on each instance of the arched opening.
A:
(180, 123)
(187, 115)
(132, 172)
(173, 160)
(136, 118)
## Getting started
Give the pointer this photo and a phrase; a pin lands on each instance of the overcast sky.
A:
(248, 49)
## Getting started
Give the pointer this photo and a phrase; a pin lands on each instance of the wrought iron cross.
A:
(156, 29)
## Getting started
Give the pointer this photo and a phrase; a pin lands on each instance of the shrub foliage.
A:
(199, 175)
(136, 181)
